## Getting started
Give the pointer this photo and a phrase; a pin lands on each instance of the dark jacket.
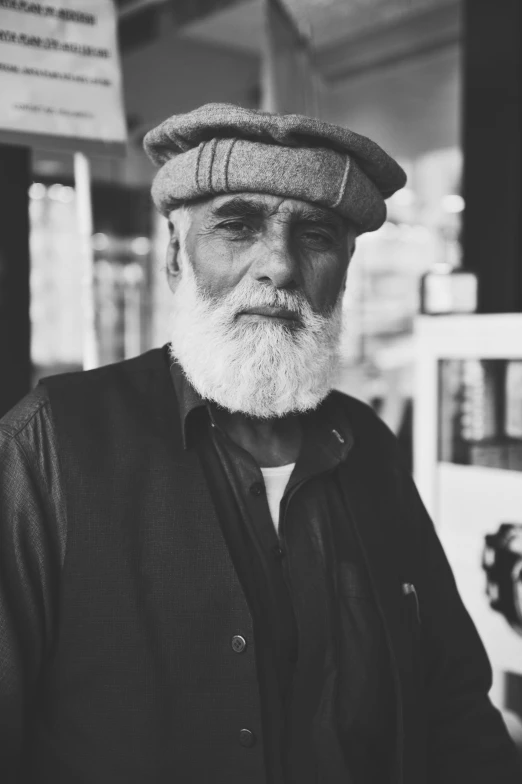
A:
(138, 682)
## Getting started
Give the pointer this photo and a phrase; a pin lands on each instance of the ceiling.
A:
(239, 24)
(324, 22)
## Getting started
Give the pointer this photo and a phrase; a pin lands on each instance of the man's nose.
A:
(275, 263)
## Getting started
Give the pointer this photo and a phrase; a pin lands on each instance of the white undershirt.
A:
(276, 479)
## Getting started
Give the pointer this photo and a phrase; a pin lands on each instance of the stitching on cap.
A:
(213, 145)
(227, 162)
(343, 183)
(198, 159)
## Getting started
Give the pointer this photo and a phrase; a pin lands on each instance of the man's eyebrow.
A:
(316, 215)
(239, 207)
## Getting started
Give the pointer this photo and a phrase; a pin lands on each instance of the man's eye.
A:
(236, 226)
(317, 238)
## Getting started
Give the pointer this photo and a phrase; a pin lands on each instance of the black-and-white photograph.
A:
(261, 392)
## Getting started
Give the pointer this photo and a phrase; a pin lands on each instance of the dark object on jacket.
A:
(148, 607)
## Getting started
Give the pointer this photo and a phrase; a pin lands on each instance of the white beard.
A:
(263, 369)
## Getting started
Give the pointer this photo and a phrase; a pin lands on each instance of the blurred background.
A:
(434, 299)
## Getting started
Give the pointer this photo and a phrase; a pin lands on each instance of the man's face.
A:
(283, 243)
(257, 306)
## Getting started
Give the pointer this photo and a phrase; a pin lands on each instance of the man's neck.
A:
(271, 442)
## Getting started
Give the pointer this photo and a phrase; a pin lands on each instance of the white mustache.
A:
(249, 295)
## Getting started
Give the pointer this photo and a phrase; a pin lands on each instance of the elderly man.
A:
(213, 567)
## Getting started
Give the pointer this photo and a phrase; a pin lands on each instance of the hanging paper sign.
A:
(60, 74)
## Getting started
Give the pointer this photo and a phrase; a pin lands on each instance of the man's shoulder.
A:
(153, 360)
(362, 416)
(352, 404)
(24, 413)
(113, 401)
(33, 414)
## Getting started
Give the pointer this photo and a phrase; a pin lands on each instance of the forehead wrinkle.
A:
(255, 206)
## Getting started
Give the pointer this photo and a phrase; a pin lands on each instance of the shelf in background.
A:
(473, 501)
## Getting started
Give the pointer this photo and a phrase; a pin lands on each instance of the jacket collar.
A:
(330, 413)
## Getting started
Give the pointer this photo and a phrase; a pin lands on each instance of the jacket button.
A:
(278, 553)
(247, 738)
(238, 643)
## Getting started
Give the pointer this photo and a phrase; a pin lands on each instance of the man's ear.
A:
(173, 266)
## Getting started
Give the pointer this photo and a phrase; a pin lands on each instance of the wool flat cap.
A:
(222, 148)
